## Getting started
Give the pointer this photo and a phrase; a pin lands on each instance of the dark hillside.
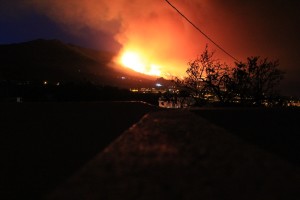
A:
(40, 59)
(55, 61)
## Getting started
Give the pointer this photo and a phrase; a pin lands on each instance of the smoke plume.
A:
(243, 28)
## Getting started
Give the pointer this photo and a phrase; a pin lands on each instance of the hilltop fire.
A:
(139, 63)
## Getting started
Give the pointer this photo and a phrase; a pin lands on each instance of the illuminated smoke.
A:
(149, 27)
(154, 30)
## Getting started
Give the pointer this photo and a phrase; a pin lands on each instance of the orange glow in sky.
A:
(154, 39)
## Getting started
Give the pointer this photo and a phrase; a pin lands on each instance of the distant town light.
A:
(58, 83)
(158, 84)
(123, 77)
(134, 90)
(45, 82)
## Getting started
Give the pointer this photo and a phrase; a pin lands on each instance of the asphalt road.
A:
(202, 153)
(175, 154)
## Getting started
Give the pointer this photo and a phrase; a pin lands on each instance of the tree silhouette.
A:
(255, 81)
(208, 80)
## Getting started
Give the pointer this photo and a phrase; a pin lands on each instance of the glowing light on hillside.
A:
(133, 61)
(139, 63)
(154, 69)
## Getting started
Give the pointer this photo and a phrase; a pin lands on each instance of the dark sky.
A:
(267, 28)
(20, 22)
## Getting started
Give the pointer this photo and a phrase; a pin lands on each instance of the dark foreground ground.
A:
(175, 154)
(276, 130)
(41, 144)
(170, 154)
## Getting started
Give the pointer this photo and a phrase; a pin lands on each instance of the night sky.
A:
(266, 28)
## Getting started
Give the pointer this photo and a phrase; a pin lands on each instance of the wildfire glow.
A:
(139, 63)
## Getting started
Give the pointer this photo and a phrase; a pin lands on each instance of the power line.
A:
(202, 31)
